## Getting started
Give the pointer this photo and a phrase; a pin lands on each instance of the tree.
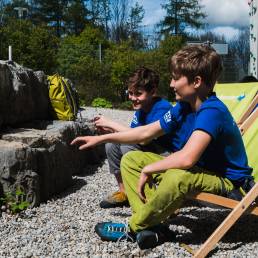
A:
(100, 14)
(119, 15)
(78, 59)
(181, 14)
(11, 10)
(3, 3)
(239, 48)
(75, 17)
(125, 22)
(33, 46)
(207, 36)
(168, 47)
(50, 12)
(92, 79)
(135, 19)
(73, 48)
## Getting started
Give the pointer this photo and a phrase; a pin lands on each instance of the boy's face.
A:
(141, 99)
(184, 91)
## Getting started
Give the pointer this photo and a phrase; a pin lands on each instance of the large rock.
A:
(35, 154)
(23, 94)
(39, 160)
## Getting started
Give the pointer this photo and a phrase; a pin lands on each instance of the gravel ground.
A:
(64, 226)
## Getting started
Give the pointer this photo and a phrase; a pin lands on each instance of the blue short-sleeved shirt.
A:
(158, 109)
(178, 124)
(225, 153)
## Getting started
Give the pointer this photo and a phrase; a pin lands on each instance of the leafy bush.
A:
(33, 46)
(101, 102)
(14, 202)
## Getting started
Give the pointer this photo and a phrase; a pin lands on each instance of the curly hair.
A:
(143, 78)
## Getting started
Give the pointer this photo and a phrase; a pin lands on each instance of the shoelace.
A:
(124, 229)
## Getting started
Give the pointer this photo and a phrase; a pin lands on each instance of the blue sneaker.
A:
(109, 231)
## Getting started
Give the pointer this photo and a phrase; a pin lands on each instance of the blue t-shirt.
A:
(226, 152)
(178, 124)
(158, 109)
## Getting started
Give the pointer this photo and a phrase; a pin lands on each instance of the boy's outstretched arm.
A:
(132, 136)
(186, 158)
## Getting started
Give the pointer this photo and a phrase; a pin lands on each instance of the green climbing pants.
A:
(168, 191)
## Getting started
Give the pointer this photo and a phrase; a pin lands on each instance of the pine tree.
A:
(135, 19)
(76, 16)
(181, 14)
(51, 12)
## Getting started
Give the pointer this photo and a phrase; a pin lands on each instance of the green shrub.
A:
(126, 105)
(14, 202)
(101, 102)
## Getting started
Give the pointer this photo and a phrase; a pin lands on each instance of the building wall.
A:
(253, 14)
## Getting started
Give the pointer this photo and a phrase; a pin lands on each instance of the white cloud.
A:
(232, 13)
(155, 17)
(223, 16)
(228, 32)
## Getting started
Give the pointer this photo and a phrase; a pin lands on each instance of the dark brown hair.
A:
(143, 78)
(197, 60)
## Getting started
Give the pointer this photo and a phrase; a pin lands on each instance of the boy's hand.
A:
(103, 125)
(144, 178)
(101, 121)
(85, 142)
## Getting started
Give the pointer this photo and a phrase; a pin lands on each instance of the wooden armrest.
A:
(221, 201)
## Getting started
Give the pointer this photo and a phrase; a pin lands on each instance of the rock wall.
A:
(23, 95)
(40, 160)
(35, 153)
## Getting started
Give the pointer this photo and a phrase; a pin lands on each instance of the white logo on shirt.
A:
(167, 117)
(135, 120)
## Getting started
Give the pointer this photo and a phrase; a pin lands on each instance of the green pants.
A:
(169, 191)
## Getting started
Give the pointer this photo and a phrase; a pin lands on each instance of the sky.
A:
(223, 16)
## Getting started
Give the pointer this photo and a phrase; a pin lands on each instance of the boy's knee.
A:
(129, 160)
(109, 147)
(130, 157)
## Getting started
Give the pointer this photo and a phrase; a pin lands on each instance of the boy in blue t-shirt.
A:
(208, 152)
(142, 91)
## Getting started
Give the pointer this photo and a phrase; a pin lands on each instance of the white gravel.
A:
(64, 226)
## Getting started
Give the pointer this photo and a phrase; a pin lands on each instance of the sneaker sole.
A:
(108, 205)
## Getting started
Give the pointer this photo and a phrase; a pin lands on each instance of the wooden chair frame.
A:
(250, 108)
(248, 122)
(247, 204)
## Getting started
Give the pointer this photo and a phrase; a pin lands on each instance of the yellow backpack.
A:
(63, 97)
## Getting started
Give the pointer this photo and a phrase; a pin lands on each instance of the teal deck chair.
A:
(247, 204)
